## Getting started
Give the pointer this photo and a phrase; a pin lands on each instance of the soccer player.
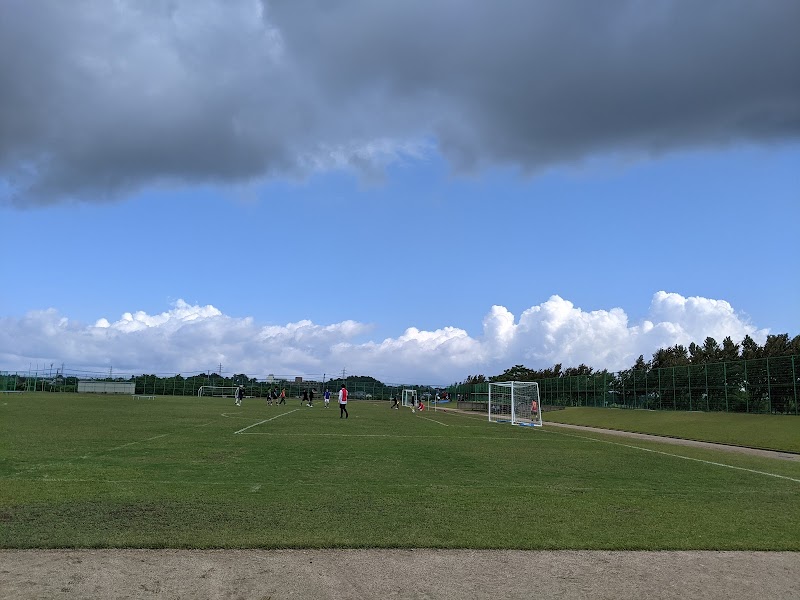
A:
(311, 397)
(283, 396)
(395, 403)
(343, 403)
(238, 395)
(304, 399)
(327, 397)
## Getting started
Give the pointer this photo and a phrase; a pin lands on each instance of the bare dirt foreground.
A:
(387, 574)
(406, 574)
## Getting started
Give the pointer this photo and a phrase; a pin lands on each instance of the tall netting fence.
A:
(766, 385)
(65, 380)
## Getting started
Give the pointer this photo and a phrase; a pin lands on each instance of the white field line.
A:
(101, 452)
(266, 420)
(67, 461)
(434, 421)
(230, 416)
(155, 437)
(700, 460)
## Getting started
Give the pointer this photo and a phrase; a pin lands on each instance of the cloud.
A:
(99, 100)
(190, 339)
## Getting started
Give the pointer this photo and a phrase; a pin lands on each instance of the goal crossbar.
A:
(217, 391)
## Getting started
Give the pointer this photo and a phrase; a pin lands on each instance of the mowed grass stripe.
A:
(382, 478)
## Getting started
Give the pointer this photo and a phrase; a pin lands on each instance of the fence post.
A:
(674, 391)
(746, 390)
(660, 391)
(571, 395)
(769, 390)
(794, 385)
(725, 383)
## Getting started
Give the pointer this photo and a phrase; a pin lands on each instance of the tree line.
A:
(710, 351)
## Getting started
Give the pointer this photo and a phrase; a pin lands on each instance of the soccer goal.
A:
(410, 398)
(515, 402)
(218, 391)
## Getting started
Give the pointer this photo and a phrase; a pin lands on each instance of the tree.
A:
(750, 349)
(730, 351)
(240, 379)
(553, 372)
(580, 371)
(516, 373)
(711, 351)
(777, 345)
(695, 354)
(796, 345)
(676, 356)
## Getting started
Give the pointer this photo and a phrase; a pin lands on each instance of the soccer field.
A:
(185, 472)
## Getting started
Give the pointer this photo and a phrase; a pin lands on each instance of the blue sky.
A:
(417, 219)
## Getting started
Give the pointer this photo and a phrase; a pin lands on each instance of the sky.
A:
(414, 191)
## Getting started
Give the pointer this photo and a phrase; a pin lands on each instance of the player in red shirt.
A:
(343, 403)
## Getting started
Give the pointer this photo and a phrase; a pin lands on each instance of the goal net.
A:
(410, 398)
(515, 402)
(219, 391)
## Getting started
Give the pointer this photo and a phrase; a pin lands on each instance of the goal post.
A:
(515, 402)
(217, 391)
(410, 398)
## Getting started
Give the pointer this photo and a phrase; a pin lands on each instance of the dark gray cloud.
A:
(101, 99)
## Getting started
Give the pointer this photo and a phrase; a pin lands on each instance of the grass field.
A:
(181, 472)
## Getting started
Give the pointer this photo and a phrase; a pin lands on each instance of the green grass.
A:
(770, 432)
(102, 471)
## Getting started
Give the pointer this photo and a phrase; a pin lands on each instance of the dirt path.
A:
(682, 442)
(404, 574)
(395, 574)
(660, 438)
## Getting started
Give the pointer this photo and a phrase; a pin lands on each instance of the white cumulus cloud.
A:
(188, 339)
